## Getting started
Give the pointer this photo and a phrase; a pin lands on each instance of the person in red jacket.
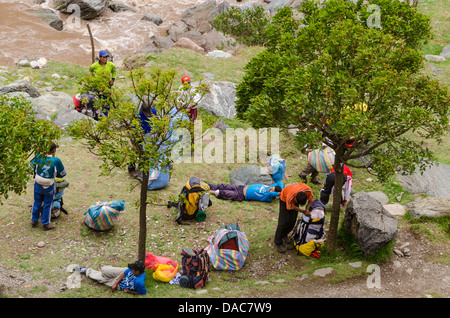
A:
(291, 198)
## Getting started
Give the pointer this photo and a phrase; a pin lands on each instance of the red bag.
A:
(152, 261)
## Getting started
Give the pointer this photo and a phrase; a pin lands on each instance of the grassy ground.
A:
(73, 243)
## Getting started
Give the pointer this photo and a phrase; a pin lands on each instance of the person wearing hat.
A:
(130, 279)
(186, 98)
(107, 69)
(46, 169)
(103, 66)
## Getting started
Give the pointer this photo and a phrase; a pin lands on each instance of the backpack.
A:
(308, 230)
(228, 248)
(195, 265)
(194, 199)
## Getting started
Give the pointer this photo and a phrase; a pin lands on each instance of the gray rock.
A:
(52, 103)
(50, 17)
(380, 196)
(219, 55)
(153, 18)
(371, 224)
(120, 7)
(176, 30)
(20, 86)
(162, 42)
(67, 116)
(251, 174)
(429, 207)
(435, 58)
(445, 52)
(205, 11)
(89, 9)
(433, 181)
(220, 100)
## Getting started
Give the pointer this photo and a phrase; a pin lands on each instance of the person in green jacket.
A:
(103, 66)
(106, 69)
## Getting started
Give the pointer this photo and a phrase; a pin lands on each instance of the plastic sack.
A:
(165, 273)
(158, 179)
(102, 216)
(153, 261)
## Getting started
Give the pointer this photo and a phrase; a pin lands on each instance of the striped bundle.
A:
(226, 256)
(322, 159)
(101, 216)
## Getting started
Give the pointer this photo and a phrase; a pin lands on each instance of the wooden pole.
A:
(92, 43)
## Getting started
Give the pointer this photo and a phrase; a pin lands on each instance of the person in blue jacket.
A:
(46, 169)
(253, 192)
(129, 279)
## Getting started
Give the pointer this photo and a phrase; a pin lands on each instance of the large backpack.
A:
(194, 199)
(228, 248)
(195, 265)
(308, 230)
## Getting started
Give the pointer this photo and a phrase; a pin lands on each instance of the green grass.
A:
(73, 243)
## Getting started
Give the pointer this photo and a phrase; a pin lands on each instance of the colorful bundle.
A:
(101, 216)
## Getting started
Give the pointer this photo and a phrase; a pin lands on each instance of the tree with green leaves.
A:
(24, 136)
(336, 77)
(120, 139)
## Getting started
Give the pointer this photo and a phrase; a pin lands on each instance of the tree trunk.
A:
(143, 217)
(337, 197)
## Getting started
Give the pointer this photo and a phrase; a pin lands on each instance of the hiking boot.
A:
(315, 181)
(48, 227)
(303, 177)
(280, 248)
(134, 174)
(34, 223)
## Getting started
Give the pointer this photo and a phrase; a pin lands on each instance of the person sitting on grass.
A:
(254, 192)
(131, 280)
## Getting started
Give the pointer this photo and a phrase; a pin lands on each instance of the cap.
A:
(103, 53)
(138, 265)
(185, 79)
(53, 147)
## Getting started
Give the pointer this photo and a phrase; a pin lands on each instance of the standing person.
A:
(46, 169)
(106, 69)
(291, 198)
(189, 96)
(328, 186)
(145, 113)
(254, 192)
(130, 280)
(319, 161)
(103, 66)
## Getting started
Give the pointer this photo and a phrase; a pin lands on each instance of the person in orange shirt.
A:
(291, 198)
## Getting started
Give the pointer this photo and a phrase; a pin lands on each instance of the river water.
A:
(22, 35)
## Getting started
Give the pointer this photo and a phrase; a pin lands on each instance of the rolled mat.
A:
(185, 281)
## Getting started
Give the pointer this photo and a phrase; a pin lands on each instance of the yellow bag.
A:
(165, 273)
(308, 248)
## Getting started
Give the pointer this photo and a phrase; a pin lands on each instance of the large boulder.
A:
(66, 116)
(220, 100)
(251, 174)
(204, 12)
(89, 9)
(433, 181)
(185, 43)
(50, 17)
(20, 86)
(371, 224)
(429, 207)
(52, 103)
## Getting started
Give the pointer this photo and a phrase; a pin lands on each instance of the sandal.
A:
(48, 227)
